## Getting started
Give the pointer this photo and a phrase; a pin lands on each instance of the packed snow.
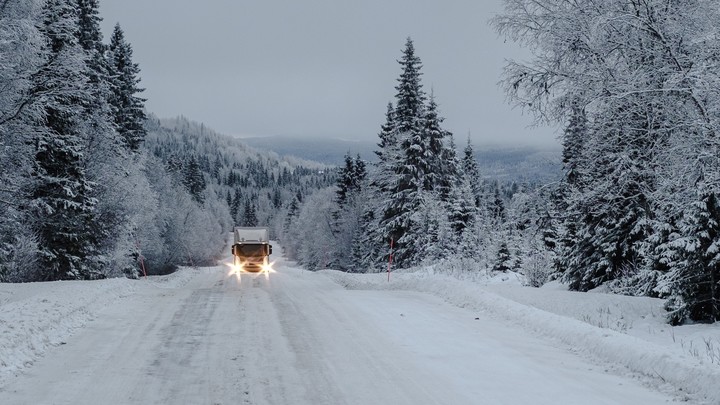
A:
(294, 336)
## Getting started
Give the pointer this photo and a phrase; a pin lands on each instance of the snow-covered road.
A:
(296, 337)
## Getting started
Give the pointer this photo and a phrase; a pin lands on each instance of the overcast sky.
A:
(319, 68)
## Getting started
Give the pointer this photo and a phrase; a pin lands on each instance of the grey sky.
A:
(323, 68)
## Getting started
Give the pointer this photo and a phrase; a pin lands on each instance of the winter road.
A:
(298, 338)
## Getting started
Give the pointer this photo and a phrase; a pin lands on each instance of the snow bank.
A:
(640, 356)
(37, 316)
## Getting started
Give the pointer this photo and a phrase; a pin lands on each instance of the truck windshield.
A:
(252, 250)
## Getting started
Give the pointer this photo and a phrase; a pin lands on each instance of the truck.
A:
(251, 249)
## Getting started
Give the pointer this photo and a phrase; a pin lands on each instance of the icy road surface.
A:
(296, 337)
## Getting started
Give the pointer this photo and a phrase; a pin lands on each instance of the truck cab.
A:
(251, 249)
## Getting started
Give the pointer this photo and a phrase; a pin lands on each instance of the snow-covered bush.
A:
(538, 268)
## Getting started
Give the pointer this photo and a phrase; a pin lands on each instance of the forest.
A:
(90, 185)
(93, 186)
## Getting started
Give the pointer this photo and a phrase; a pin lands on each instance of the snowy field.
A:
(206, 336)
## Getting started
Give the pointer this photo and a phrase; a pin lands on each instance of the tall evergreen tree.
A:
(62, 194)
(472, 172)
(235, 205)
(410, 98)
(388, 134)
(250, 214)
(693, 284)
(441, 159)
(346, 181)
(128, 106)
(462, 212)
(421, 165)
(359, 173)
(194, 180)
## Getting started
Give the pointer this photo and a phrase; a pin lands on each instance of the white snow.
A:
(620, 330)
(35, 317)
(204, 336)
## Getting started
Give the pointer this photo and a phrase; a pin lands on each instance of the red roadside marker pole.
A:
(140, 256)
(390, 258)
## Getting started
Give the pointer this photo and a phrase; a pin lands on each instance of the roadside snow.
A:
(625, 331)
(35, 317)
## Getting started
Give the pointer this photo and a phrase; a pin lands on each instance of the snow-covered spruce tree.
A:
(424, 163)
(116, 173)
(410, 97)
(462, 212)
(61, 194)
(346, 181)
(471, 170)
(235, 204)
(503, 261)
(194, 180)
(127, 106)
(573, 138)
(249, 214)
(694, 281)
(441, 161)
(405, 172)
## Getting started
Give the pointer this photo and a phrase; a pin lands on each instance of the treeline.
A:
(89, 186)
(430, 203)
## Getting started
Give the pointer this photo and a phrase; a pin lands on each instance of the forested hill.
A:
(257, 186)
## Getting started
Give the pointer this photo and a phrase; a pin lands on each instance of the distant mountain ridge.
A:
(519, 164)
(328, 151)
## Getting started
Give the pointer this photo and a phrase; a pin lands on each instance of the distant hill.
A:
(520, 164)
(505, 164)
(328, 151)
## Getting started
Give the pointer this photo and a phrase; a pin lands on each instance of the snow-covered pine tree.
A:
(108, 163)
(573, 139)
(99, 112)
(404, 173)
(194, 180)
(62, 193)
(292, 213)
(249, 214)
(235, 205)
(441, 170)
(503, 260)
(471, 170)
(410, 97)
(462, 209)
(359, 173)
(127, 105)
(497, 207)
(387, 135)
(616, 209)
(693, 284)
(346, 182)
